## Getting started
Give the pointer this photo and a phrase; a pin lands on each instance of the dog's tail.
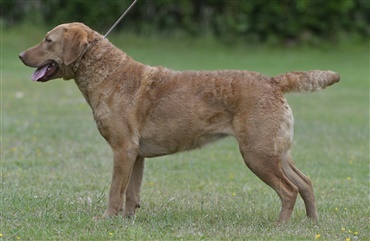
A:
(306, 81)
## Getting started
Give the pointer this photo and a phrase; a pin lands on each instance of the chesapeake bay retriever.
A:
(144, 111)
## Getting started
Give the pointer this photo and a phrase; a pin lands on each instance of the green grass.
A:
(56, 168)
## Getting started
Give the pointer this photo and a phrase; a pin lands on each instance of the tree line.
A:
(306, 21)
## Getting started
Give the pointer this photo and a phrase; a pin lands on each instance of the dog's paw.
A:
(108, 214)
(129, 215)
(130, 218)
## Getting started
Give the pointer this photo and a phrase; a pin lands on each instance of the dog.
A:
(144, 111)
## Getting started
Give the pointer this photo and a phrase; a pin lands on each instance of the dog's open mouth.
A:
(44, 72)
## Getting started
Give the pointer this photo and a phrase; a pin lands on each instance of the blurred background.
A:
(55, 167)
(286, 22)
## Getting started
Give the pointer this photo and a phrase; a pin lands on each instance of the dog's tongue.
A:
(39, 73)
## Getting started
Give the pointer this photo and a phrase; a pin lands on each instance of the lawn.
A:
(56, 168)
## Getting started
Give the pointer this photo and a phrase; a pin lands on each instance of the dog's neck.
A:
(90, 46)
(98, 66)
(89, 57)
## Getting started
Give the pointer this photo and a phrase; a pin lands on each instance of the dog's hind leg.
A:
(133, 189)
(268, 169)
(303, 183)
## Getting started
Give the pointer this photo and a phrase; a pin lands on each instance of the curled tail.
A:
(306, 81)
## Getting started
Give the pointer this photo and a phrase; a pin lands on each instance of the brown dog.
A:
(145, 111)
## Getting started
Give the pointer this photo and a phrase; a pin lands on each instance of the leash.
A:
(114, 25)
(105, 36)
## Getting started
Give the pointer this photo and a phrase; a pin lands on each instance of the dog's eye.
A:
(48, 40)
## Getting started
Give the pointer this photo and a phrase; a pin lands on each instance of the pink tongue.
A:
(39, 73)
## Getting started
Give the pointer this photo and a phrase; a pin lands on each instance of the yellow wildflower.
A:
(231, 176)
(343, 229)
(348, 239)
(1, 235)
(317, 236)
(355, 233)
(349, 178)
(234, 194)
(110, 234)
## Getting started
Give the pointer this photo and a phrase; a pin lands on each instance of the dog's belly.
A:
(153, 147)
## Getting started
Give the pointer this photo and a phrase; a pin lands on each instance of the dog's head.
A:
(55, 55)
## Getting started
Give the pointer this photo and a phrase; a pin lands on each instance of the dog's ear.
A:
(74, 44)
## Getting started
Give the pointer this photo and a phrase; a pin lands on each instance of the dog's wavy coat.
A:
(145, 111)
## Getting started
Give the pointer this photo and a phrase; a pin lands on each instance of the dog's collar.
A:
(77, 64)
(90, 47)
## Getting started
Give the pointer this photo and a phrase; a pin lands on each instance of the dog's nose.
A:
(22, 55)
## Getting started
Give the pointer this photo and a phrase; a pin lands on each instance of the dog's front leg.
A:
(133, 189)
(123, 162)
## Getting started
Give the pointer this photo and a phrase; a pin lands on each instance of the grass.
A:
(56, 168)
